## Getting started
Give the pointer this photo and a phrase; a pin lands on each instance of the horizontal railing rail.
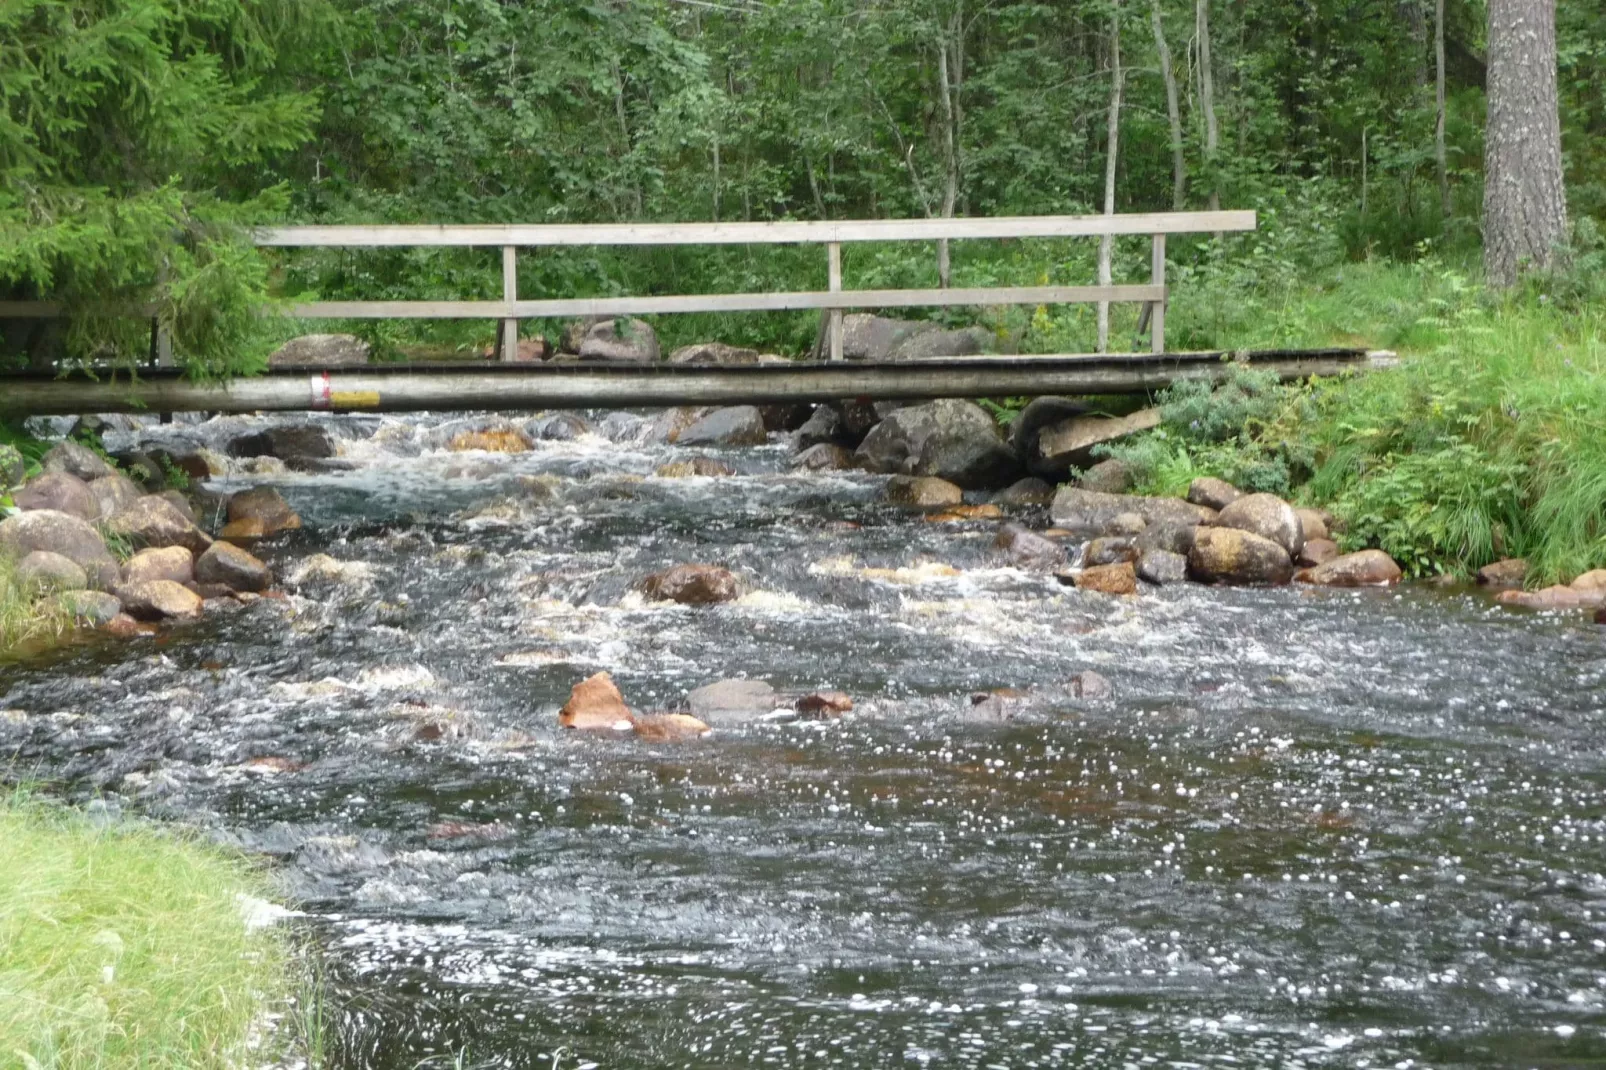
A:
(835, 300)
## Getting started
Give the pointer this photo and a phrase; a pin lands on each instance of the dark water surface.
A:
(1309, 828)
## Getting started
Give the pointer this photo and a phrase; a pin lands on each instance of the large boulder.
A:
(259, 512)
(77, 460)
(595, 705)
(1269, 517)
(866, 336)
(295, 444)
(823, 426)
(626, 340)
(1088, 513)
(692, 585)
(114, 492)
(50, 571)
(937, 342)
(159, 600)
(1029, 550)
(667, 426)
(713, 353)
(1070, 443)
(950, 439)
(226, 565)
(732, 701)
(321, 351)
(923, 492)
(61, 492)
(1235, 556)
(159, 563)
(64, 534)
(1213, 493)
(153, 521)
(1368, 568)
(738, 425)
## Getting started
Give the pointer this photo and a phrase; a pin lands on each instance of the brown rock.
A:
(697, 466)
(1213, 493)
(1594, 580)
(226, 565)
(1028, 550)
(824, 705)
(692, 585)
(160, 600)
(1110, 550)
(1368, 568)
(1233, 556)
(667, 727)
(824, 457)
(953, 514)
(1312, 524)
(1507, 573)
(62, 492)
(1317, 552)
(923, 492)
(1120, 578)
(1265, 515)
(491, 440)
(159, 563)
(259, 512)
(1555, 597)
(1028, 491)
(1600, 615)
(595, 705)
(152, 521)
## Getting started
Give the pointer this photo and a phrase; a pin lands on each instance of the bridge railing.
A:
(832, 234)
(833, 301)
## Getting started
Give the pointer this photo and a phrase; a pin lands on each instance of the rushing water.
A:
(1307, 828)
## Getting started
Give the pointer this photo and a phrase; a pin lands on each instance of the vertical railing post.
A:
(834, 283)
(1157, 278)
(510, 293)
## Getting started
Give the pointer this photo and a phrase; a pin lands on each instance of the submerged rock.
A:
(595, 705)
(824, 705)
(957, 513)
(697, 466)
(1120, 578)
(692, 585)
(1265, 515)
(1088, 684)
(1234, 556)
(295, 444)
(732, 701)
(1557, 596)
(668, 727)
(1367, 568)
(60, 492)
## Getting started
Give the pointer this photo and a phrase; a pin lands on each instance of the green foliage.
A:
(27, 619)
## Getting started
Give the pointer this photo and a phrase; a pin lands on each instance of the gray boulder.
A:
(1029, 550)
(1089, 513)
(824, 457)
(113, 492)
(62, 492)
(295, 444)
(64, 534)
(870, 337)
(823, 426)
(1269, 517)
(1238, 557)
(47, 570)
(77, 460)
(625, 340)
(731, 702)
(1162, 567)
(321, 351)
(738, 425)
(949, 439)
(153, 521)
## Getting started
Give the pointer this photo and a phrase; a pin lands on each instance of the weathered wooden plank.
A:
(569, 234)
(780, 302)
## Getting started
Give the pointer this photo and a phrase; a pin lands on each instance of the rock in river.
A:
(1234, 556)
(1507, 573)
(1111, 550)
(1316, 552)
(159, 600)
(1089, 513)
(923, 492)
(732, 701)
(1269, 517)
(595, 705)
(736, 425)
(153, 521)
(1368, 568)
(1162, 567)
(259, 512)
(666, 727)
(229, 566)
(692, 585)
(1120, 578)
(824, 705)
(824, 457)
(159, 563)
(697, 466)
(950, 439)
(1028, 550)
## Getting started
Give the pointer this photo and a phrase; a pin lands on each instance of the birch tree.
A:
(1111, 158)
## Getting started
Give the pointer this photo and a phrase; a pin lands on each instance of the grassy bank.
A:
(126, 947)
(1488, 441)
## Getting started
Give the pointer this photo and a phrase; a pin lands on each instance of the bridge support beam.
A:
(526, 387)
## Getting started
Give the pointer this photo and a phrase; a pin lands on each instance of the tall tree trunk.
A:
(1179, 169)
(1440, 157)
(1207, 99)
(950, 59)
(1111, 156)
(1524, 200)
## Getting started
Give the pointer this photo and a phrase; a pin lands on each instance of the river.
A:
(1306, 827)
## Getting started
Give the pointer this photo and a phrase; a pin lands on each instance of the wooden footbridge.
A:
(518, 386)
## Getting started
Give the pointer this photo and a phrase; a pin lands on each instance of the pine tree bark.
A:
(1179, 169)
(1524, 199)
(1111, 157)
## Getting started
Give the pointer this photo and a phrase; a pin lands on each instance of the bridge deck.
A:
(560, 385)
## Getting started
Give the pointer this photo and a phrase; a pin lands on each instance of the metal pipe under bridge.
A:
(576, 385)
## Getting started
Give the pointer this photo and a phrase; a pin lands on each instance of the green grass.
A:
(126, 947)
(27, 619)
